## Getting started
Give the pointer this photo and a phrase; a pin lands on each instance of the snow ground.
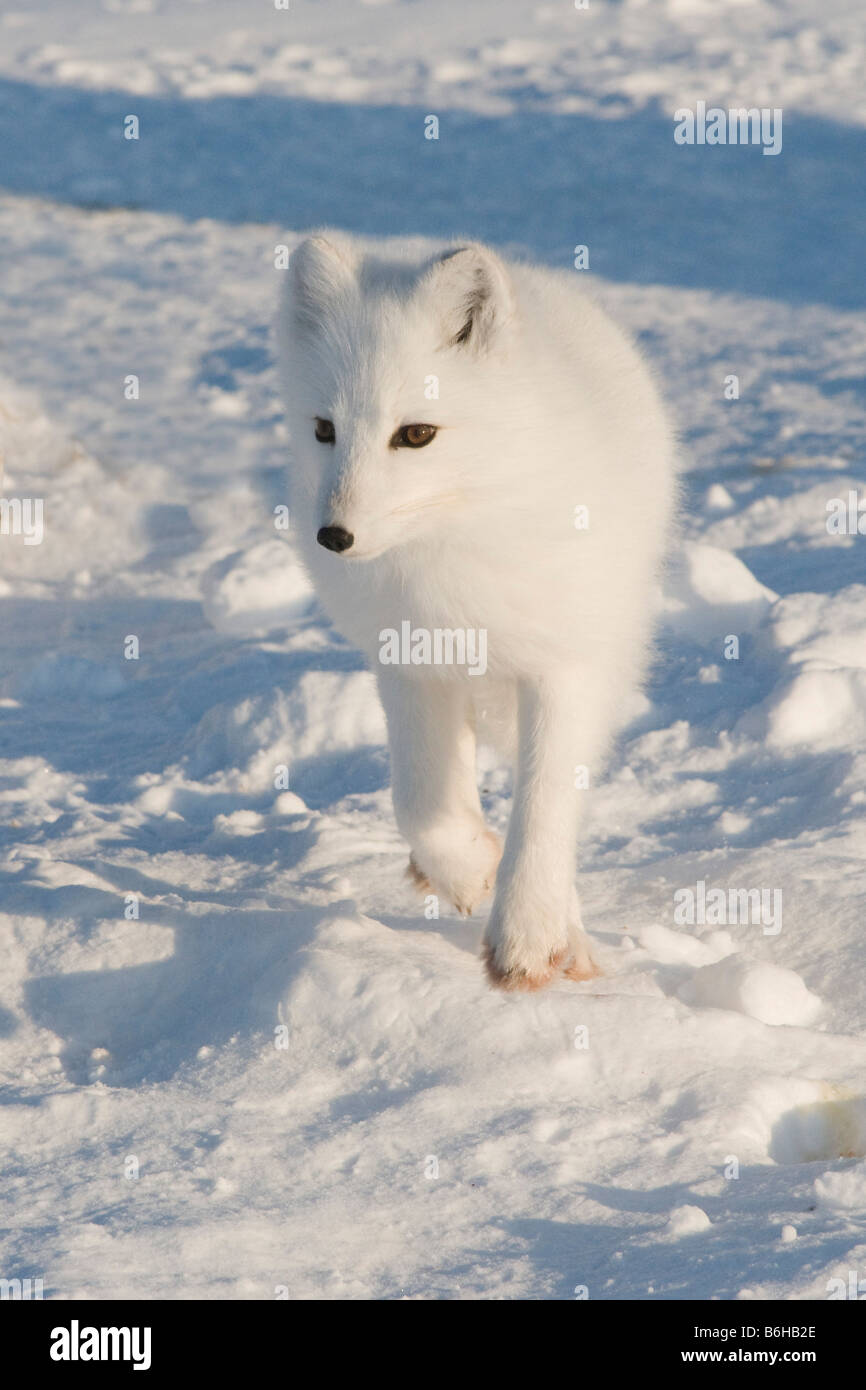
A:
(418, 1136)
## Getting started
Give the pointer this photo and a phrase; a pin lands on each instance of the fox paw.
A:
(418, 880)
(458, 867)
(516, 959)
(517, 976)
(580, 962)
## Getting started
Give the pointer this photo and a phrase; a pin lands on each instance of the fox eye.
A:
(413, 436)
(325, 432)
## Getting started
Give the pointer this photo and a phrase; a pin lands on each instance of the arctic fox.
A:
(478, 449)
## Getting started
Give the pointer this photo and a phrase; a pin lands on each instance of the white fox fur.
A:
(543, 406)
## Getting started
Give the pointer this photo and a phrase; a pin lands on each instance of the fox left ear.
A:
(473, 297)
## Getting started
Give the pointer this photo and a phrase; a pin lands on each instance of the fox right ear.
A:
(319, 272)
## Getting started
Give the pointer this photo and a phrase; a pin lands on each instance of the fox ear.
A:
(319, 272)
(473, 297)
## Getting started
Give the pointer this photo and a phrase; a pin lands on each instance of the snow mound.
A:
(688, 1221)
(761, 990)
(709, 593)
(820, 700)
(391, 1005)
(822, 628)
(821, 709)
(718, 499)
(681, 948)
(253, 591)
(323, 713)
(845, 1191)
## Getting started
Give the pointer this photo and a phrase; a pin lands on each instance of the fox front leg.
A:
(535, 928)
(435, 788)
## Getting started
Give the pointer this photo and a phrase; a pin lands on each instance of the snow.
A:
(712, 593)
(764, 991)
(212, 962)
(253, 591)
(843, 1191)
(688, 1221)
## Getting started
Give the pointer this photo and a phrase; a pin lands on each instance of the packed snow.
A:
(238, 1060)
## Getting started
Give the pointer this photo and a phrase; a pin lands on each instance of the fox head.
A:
(393, 381)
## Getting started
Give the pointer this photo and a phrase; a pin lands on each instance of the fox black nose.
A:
(335, 538)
